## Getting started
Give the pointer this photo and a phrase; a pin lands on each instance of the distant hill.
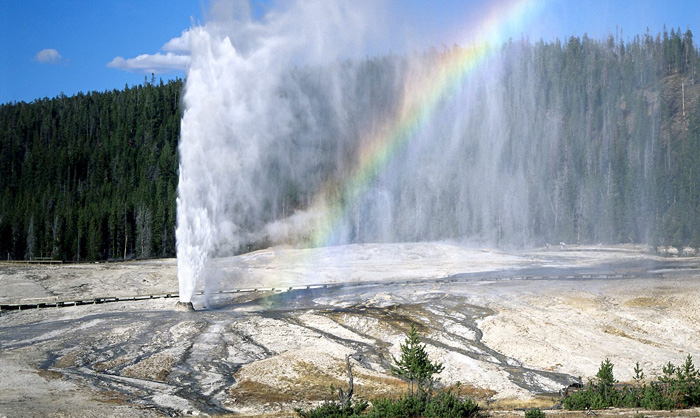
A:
(94, 176)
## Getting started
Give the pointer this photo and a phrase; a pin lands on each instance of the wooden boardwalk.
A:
(39, 303)
(37, 260)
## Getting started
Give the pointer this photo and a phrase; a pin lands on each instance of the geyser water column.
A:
(231, 117)
(237, 118)
(209, 163)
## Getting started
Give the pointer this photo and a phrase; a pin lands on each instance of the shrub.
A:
(678, 387)
(448, 405)
(334, 410)
(404, 407)
(534, 413)
(414, 366)
(444, 405)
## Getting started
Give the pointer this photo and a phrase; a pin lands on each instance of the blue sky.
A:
(66, 46)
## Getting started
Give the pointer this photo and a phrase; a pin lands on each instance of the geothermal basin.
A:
(272, 328)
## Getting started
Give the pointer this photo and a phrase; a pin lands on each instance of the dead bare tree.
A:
(346, 398)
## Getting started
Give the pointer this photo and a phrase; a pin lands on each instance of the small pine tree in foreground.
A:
(414, 365)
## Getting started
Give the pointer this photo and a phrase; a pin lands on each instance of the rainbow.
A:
(421, 96)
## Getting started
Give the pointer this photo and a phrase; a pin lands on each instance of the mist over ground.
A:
(284, 140)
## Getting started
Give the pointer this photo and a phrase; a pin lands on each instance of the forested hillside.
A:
(89, 177)
(624, 164)
(604, 134)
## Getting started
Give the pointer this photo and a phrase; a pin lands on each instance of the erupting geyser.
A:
(241, 118)
(293, 134)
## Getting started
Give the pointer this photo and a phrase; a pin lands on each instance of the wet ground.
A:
(266, 352)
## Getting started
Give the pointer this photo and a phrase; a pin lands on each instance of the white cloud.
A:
(181, 44)
(157, 63)
(48, 56)
(177, 57)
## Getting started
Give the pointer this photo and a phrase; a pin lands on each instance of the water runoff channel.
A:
(212, 347)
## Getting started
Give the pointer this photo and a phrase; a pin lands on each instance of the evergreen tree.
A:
(74, 172)
(414, 366)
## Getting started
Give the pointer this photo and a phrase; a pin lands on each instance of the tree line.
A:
(92, 176)
(611, 154)
(624, 164)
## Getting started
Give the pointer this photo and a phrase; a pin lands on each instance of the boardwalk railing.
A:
(36, 260)
(38, 303)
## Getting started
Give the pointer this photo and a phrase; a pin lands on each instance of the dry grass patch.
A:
(67, 360)
(109, 364)
(49, 374)
(647, 302)
(370, 386)
(156, 367)
(272, 414)
(111, 397)
(539, 401)
(479, 394)
(581, 302)
(312, 384)
(609, 329)
(253, 392)
(377, 323)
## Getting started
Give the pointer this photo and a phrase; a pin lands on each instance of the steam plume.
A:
(241, 132)
(291, 134)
